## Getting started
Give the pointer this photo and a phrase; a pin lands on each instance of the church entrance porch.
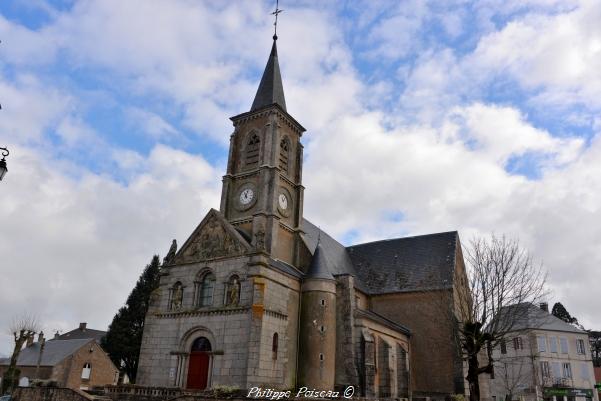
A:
(199, 364)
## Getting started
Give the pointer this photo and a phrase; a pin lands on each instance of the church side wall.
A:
(433, 368)
(168, 334)
(391, 356)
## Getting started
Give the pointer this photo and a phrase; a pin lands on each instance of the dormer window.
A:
(284, 154)
(251, 157)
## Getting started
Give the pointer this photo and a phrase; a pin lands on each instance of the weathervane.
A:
(275, 24)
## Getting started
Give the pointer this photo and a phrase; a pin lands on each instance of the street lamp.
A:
(3, 168)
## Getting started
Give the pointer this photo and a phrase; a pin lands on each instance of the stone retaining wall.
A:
(50, 394)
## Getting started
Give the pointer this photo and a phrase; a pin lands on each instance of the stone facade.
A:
(68, 372)
(550, 361)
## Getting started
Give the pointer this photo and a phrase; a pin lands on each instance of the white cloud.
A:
(151, 124)
(74, 248)
(559, 53)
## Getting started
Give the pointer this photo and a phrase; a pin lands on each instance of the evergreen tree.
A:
(595, 341)
(560, 312)
(124, 337)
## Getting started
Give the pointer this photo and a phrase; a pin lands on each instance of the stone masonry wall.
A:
(433, 360)
(346, 357)
(49, 394)
(68, 372)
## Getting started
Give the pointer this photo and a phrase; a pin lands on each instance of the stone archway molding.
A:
(183, 354)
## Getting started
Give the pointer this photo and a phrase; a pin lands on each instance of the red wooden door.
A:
(198, 370)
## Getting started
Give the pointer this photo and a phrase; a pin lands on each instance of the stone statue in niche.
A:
(233, 293)
(178, 297)
(167, 260)
(260, 240)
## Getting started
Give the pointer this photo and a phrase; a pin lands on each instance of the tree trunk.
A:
(472, 378)
(11, 376)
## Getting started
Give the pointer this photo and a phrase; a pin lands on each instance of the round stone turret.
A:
(318, 325)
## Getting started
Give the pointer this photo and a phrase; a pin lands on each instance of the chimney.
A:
(30, 340)
(82, 326)
(41, 337)
(544, 306)
(57, 335)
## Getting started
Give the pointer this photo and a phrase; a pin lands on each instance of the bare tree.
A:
(23, 327)
(514, 374)
(504, 282)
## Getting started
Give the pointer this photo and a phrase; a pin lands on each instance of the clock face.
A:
(246, 196)
(283, 201)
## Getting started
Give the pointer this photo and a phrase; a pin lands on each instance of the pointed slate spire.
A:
(270, 89)
(319, 265)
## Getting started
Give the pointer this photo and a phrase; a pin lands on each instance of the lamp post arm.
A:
(5, 152)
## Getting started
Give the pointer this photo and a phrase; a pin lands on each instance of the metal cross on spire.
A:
(275, 24)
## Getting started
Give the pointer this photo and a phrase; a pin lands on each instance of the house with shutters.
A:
(544, 358)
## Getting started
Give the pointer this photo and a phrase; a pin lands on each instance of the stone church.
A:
(259, 296)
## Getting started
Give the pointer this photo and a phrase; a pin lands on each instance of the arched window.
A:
(251, 158)
(284, 154)
(274, 346)
(86, 371)
(177, 296)
(206, 287)
(232, 293)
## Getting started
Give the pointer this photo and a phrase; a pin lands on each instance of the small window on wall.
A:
(517, 343)
(563, 345)
(553, 344)
(542, 343)
(503, 347)
(207, 285)
(251, 157)
(567, 370)
(580, 346)
(86, 371)
(274, 347)
(544, 368)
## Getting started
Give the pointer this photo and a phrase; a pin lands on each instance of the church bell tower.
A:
(262, 194)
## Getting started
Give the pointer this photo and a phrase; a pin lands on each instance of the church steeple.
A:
(262, 193)
(270, 89)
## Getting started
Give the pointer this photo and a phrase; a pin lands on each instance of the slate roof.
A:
(533, 317)
(270, 89)
(79, 334)
(54, 352)
(319, 265)
(382, 320)
(285, 267)
(335, 254)
(420, 263)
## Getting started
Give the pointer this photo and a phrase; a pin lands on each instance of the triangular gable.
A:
(213, 238)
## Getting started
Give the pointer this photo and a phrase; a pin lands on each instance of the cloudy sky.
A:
(421, 116)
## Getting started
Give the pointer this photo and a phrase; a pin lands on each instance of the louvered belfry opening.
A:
(252, 151)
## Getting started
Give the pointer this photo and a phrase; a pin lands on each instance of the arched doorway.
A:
(198, 368)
